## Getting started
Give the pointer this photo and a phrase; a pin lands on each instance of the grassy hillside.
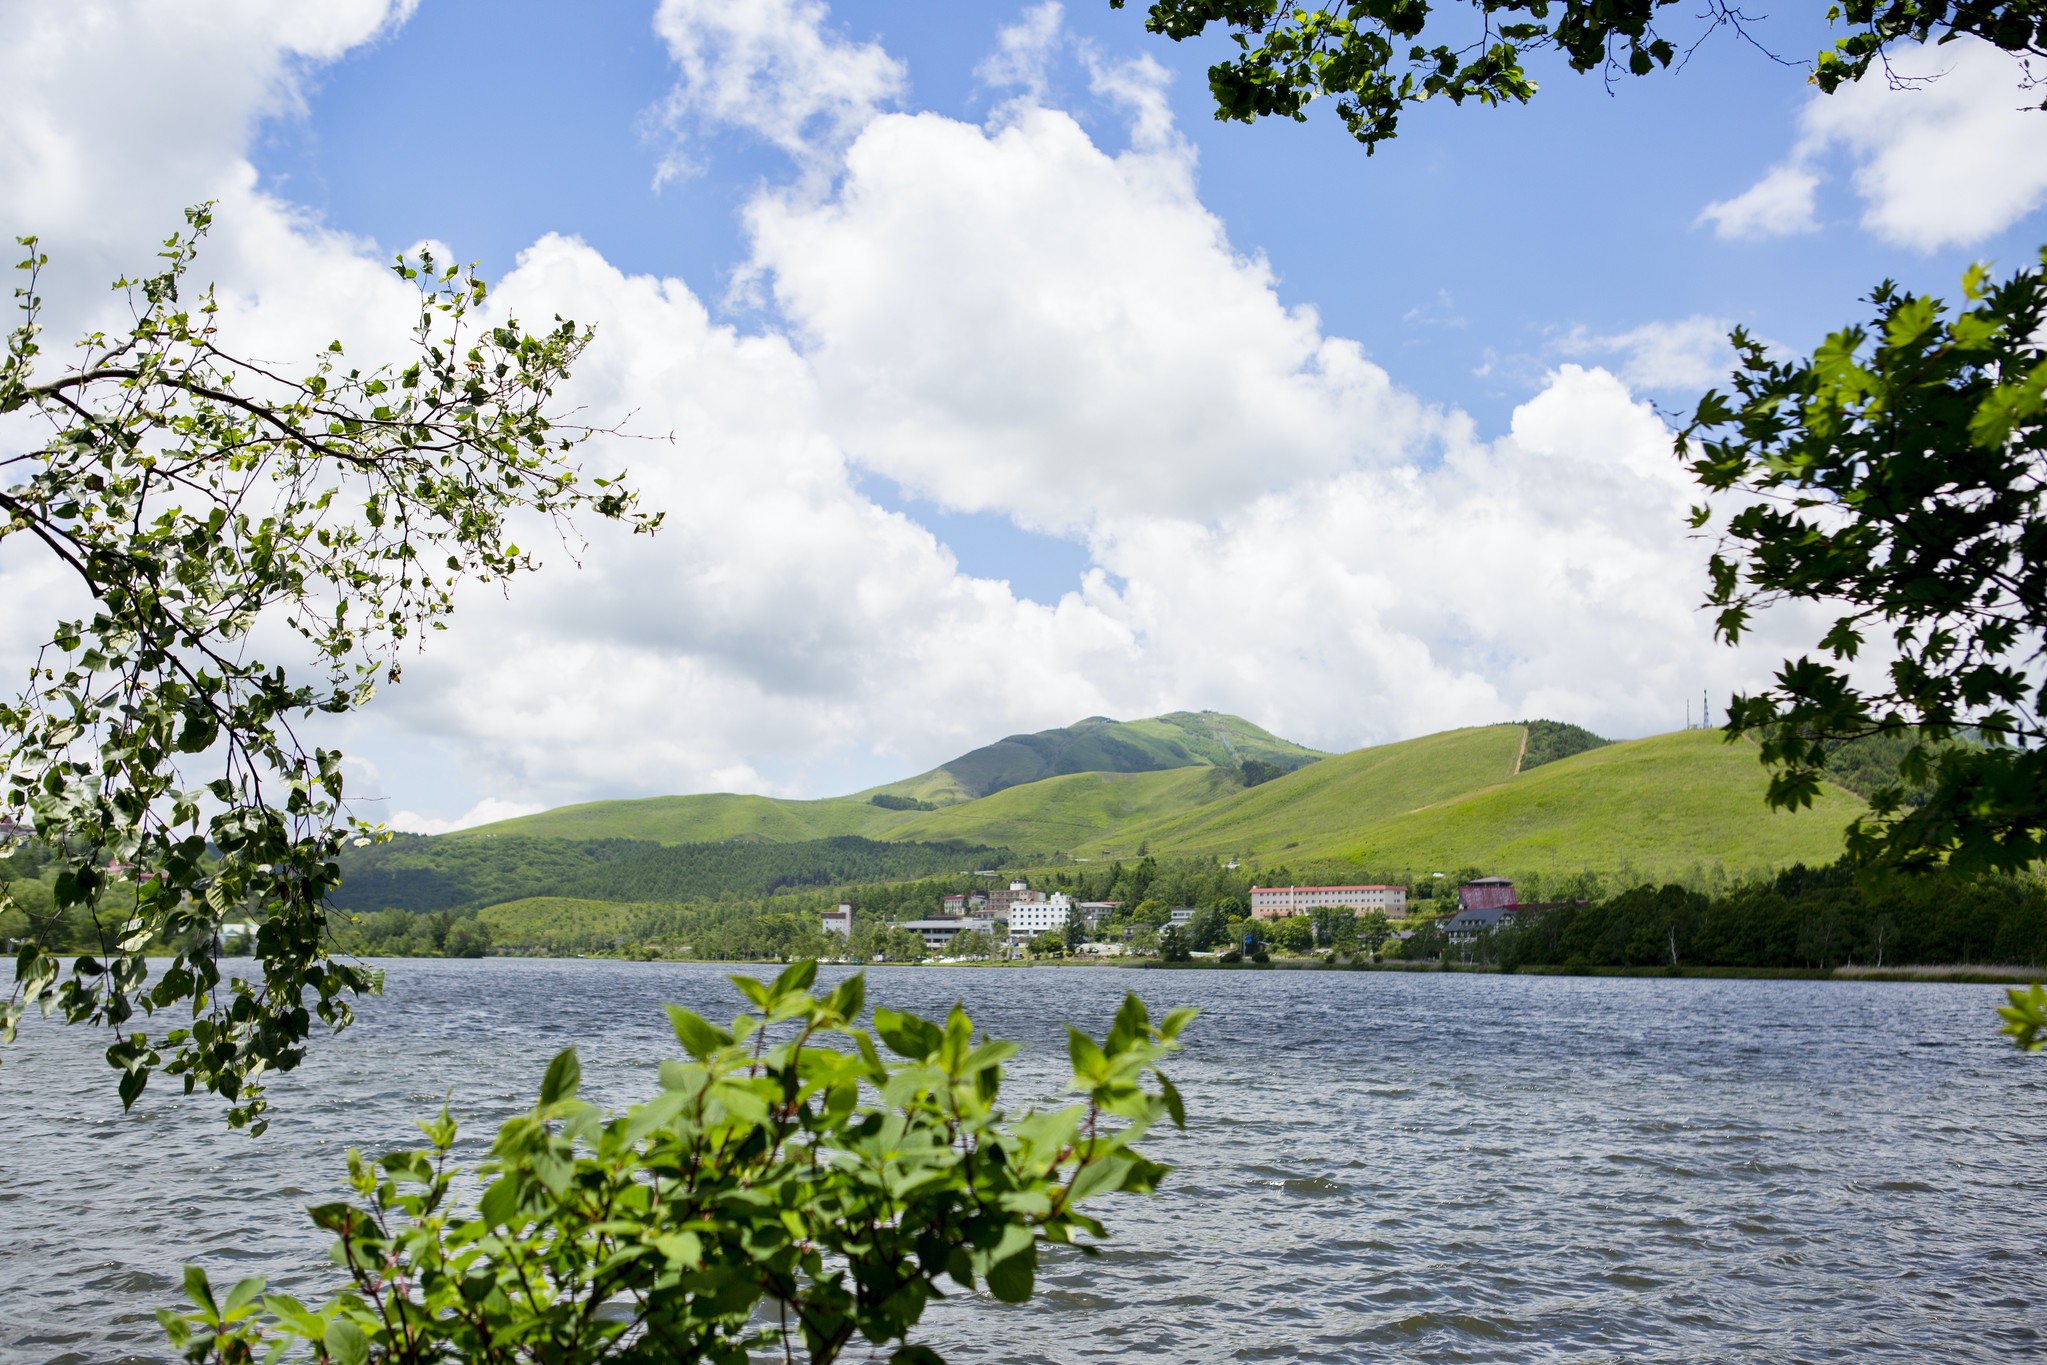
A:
(1658, 805)
(1442, 802)
(1312, 812)
(1068, 814)
(709, 818)
(1181, 739)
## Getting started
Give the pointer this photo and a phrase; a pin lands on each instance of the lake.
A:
(1378, 1166)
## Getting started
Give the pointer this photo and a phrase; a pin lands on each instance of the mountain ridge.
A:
(1458, 798)
(1098, 744)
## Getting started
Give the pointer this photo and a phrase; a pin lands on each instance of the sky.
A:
(988, 383)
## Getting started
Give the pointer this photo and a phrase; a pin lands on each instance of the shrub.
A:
(759, 1202)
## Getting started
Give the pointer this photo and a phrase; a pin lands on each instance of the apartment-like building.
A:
(839, 921)
(1280, 902)
(1002, 898)
(942, 929)
(1044, 914)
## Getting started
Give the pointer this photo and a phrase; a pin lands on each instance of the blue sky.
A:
(1480, 234)
(1000, 402)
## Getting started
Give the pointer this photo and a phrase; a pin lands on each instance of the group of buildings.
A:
(1017, 913)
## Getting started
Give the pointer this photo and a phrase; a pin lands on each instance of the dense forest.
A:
(1550, 740)
(420, 874)
(1809, 918)
(764, 901)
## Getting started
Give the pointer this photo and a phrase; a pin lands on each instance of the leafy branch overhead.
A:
(789, 1190)
(206, 505)
(1377, 58)
(1897, 478)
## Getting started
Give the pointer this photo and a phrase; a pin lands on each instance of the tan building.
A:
(1280, 902)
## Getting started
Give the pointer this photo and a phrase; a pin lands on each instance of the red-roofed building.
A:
(1487, 893)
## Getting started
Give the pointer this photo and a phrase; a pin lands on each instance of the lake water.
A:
(1378, 1167)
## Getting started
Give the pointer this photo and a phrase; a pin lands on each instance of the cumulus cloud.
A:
(1947, 149)
(1781, 204)
(1002, 318)
(1686, 355)
(487, 811)
(1013, 320)
(773, 68)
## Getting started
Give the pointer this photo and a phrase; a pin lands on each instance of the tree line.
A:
(428, 874)
(1803, 918)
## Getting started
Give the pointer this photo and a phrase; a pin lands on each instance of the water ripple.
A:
(1379, 1167)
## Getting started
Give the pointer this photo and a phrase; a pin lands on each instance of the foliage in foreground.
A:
(762, 1201)
(1897, 479)
(1378, 59)
(193, 494)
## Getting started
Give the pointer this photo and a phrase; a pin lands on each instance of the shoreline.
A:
(1978, 974)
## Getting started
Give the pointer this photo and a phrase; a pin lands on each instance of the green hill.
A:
(1450, 801)
(1658, 805)
(1313, 812)
(709, 818)
(1442, 802)
(1071, 813)
(1181, 739)
(1208, 740)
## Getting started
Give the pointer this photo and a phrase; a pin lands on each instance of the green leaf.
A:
(240, 1297)
(699, 1037)
(131, 1085)
(848, 997)
(200, 1292)
(795, 978)
(499, 1206)
(907, 1035)
(1133, 1022)
(1088, 1062)
(1170, 1093)
(916, 1355)
(346, 1344)
(1012, 1274)
(564, 1077)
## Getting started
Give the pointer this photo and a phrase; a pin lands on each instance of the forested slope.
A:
(420, 874)
(1181, 739)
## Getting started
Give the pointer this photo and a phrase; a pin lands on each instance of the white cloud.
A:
(485, 812)
(775, 69)
(1687, 355)
(1024, 52)
(1781, 204)
(1138, 87)
(1947, 145)
(1015, 321)
(1005, 319)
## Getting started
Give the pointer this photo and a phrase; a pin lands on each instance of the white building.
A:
(1182, 914)
(839, 921)
(1045, 914)
(1279, 902)
(941, 930)
(1094, 912)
